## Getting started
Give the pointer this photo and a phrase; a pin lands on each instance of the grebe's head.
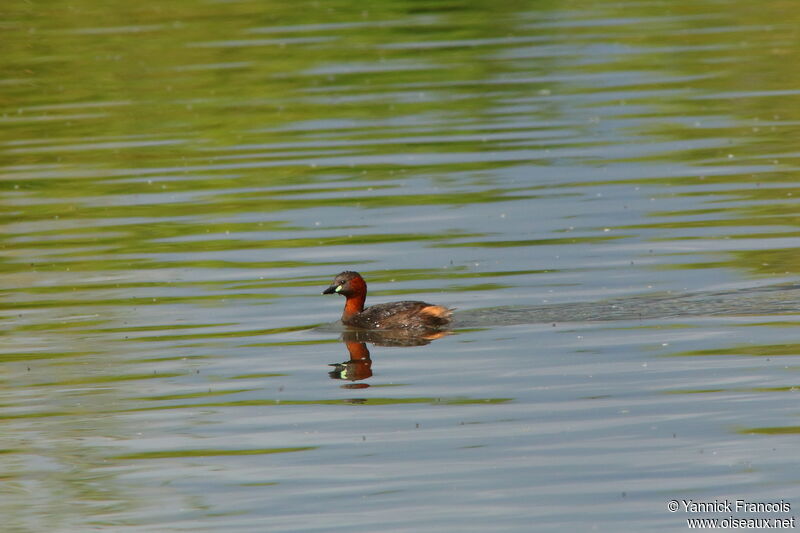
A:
(347, 284)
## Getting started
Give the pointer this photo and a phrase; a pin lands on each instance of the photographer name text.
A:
(729, 506)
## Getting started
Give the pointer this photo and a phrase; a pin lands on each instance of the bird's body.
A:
(405, 315)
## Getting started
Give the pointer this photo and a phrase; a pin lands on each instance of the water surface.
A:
(605, 191)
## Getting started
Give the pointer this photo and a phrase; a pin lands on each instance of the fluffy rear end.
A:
(438, 315)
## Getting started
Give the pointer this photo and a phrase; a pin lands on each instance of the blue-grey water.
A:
(605, 191)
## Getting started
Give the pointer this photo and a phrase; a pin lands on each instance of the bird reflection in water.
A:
(359, 367)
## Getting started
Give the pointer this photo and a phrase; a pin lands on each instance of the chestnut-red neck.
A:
(355, 298)
(353, 305)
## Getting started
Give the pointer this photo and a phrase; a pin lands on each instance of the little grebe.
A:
(395, 315)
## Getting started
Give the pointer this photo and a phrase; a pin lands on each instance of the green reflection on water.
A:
(291, 343)
(762, 262)
(230, 333)
(167, 454)
(734, 389)
(535, 242)
(451, 288)
(188, 395)
(211, 245)
(250, 403)
(752, 350)
(777, 430)
(156, 327)
(258, 375)
(49, 354)
(111, 378)
(337, 401)
(131, 301)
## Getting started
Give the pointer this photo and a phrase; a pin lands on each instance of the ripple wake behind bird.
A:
(767, 300)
